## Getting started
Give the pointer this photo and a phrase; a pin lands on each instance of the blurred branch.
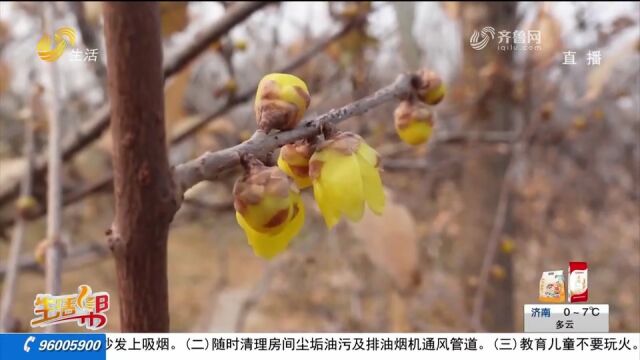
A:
(414, 164)
(203, 205)
(211, 165)
(247, 95)
(518, 153)
(12, 267)
(95, 126)
(477, 136)
(54, 253)
(258, 291)
(104, 184)
(90, 39)
(234, 15)
(405, 16)
(78, 257)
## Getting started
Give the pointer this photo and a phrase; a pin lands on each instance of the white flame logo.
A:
(487, 33)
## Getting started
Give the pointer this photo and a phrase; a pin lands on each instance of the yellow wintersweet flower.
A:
(268, 208)
(268, 245)
(344, 173)
(414, 123)
(294, 161)
(264, 197)
(281, 101)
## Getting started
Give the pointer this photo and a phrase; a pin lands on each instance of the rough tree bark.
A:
(143, 189)
(487, 72)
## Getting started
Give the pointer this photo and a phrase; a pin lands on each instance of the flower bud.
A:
(498, 272)
(507, 246)
(414, 123)
(580, 123)
(431, 89)
(26, 206)
(240, 45)
(264, 198)
(40, 252)
(281, 101)
(294, 161)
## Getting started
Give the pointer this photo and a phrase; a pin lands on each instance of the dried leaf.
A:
(600, 74)
(452, 9)
(5, 77)
(391, 243)
(174, 17)
(174, 97)
(93, 12)
(551, 40)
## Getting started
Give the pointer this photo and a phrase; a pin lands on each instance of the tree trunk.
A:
(487, 71)
(143, 189)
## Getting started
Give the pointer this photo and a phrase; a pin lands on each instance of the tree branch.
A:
(94, 127)
(54, 254)
(211, 165)
(105, 183)
(525, 135)
(233, 16)
(476, 136)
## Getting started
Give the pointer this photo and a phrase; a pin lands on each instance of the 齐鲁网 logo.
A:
(86, 308)
(517, 40)
(479, 40)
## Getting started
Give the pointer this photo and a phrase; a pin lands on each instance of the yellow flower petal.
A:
(301, 182)
(342, 184)
(270, 245)
(416, 133)
(372, 186)
(436, 95)
(331, 216)
(269, 215)
(368, 153)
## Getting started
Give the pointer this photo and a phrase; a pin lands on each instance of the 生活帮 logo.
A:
(86, 308)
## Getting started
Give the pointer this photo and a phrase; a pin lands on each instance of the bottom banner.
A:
(318, 346)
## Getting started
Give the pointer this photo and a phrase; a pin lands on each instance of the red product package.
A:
(578, 285)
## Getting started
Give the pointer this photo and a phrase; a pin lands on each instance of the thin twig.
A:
(477, 136)
(415, 164)
(94, 127)
(102, 185)
(78, 257)
(12, 268)
(211, 165)
(90, 39)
